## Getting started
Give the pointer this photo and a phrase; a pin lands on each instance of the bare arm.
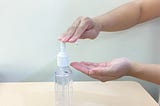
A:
(117, 68)
(121, 18)
(129, 14)
(126, 16)
(148, 72)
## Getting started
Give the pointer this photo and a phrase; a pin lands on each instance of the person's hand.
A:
(82, 28)
(105, 71)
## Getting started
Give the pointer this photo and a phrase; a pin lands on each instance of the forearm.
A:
(148, 72)
(128, 15)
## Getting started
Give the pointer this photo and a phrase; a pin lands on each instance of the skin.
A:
(121, 18)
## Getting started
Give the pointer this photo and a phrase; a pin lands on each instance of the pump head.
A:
(62, 57)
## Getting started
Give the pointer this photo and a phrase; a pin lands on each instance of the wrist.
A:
(97, 23)
(134, 69)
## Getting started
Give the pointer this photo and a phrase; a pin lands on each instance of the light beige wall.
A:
(29, 31)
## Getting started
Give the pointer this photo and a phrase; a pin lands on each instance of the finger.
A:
(85, 35)
(81, 67)
(91, 34)
(84, 69)
(92, 73)
(69, 33)
(61, 37)
(80, 30)
(90, 63)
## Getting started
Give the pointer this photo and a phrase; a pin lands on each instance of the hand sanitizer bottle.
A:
(63, 79)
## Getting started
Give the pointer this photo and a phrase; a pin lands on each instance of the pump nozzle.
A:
(63, 47)
(62, 57)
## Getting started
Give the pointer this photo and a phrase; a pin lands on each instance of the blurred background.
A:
(29, 31)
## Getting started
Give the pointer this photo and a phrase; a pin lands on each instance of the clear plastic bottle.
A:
(63, 79)
(63, 86)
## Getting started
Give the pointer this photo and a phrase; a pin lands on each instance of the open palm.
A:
(104, 71)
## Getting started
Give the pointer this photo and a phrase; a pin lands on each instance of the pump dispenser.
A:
(62, 58)
(63, 79)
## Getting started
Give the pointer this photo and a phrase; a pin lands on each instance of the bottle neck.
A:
(64, 70)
